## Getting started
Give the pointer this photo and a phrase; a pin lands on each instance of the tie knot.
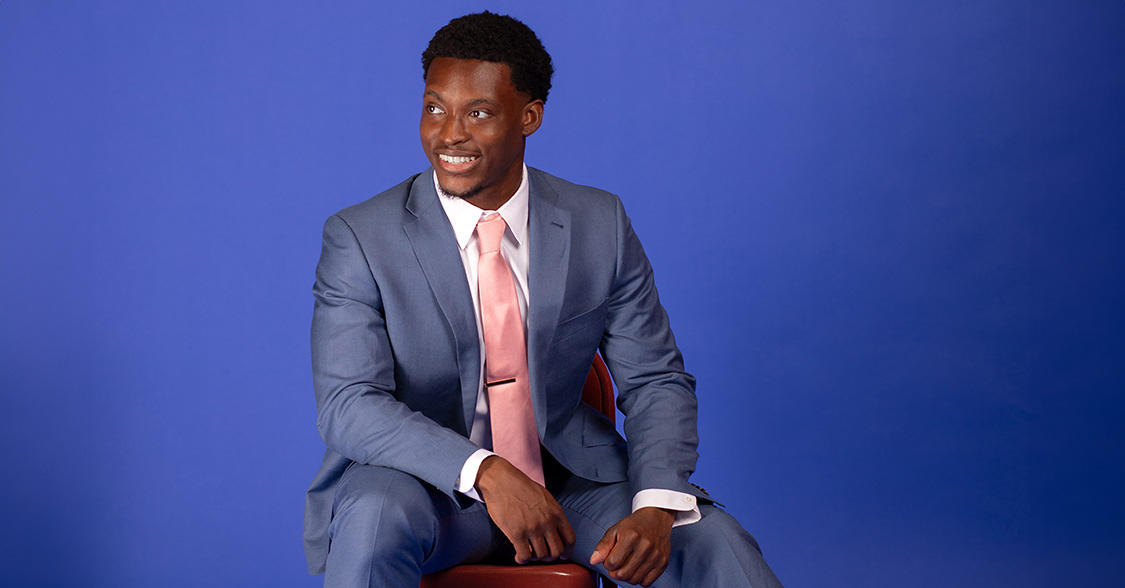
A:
(490, 231)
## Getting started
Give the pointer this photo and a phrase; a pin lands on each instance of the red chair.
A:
(598, 393)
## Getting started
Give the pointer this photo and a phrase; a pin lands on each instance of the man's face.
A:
(473, 127)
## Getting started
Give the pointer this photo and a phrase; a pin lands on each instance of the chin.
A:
(464, 193)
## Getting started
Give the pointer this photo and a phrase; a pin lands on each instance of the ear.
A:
(532, 117)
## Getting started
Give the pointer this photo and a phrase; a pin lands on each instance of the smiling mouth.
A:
(457, 159)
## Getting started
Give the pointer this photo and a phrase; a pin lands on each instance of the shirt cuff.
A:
(469, 471)
(685, 505)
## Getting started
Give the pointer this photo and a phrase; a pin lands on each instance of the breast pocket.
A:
(591, 322)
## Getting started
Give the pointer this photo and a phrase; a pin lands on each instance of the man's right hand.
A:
(527, 514)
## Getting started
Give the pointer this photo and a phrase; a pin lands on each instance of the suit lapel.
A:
(549, 235)
(435, 246)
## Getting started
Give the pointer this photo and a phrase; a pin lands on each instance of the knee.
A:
(384, 502)
(716, 532)
(717, 551)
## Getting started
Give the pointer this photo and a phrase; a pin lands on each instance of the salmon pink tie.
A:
(514, 436)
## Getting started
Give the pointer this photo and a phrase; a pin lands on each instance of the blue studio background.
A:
(891, 237)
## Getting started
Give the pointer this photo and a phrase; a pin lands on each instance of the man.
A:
(459, 312)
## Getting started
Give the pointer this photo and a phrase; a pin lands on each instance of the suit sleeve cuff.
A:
(685, 505)
(469, 471)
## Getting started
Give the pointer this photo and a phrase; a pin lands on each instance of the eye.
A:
(434, 109)
(479, 114)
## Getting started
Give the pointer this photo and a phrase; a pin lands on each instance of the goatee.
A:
(466, 195)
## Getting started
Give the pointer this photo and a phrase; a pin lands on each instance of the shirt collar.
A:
(464, 216)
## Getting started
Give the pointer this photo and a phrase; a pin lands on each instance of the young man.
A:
(457, 315)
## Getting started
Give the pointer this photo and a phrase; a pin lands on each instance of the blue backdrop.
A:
(891, 237)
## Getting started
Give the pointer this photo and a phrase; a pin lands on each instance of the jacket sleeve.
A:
(353, 369)
(655, 394)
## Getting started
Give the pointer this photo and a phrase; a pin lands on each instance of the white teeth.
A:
(455, 159)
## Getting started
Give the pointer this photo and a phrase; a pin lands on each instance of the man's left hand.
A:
(636, 549)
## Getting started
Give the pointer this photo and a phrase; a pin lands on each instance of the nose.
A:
(454, 131)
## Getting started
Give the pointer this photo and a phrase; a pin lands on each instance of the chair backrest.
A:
(598, 390)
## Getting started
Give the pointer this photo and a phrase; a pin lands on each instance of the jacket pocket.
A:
(574, 325)
(598, 430)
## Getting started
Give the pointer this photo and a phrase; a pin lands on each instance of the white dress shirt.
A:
(515, 248)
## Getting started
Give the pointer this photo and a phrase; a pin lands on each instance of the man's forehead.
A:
(485, 79)
(470, 68)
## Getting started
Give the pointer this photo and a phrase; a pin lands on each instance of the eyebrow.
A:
(474, 102)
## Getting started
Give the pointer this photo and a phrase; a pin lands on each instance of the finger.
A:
(555, 546)
(652, 575)
(568, 538)
(602, 549)
(631, 568)
(539, 549)
(638, 568)
(523, 550)
(645, 557)
(620, 554)
(656, 561)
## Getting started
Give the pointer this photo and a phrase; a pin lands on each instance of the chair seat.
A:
(566, 575)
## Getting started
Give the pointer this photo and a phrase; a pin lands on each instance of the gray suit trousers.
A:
(389, 528)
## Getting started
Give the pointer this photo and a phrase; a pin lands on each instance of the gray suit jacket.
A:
(396, 359)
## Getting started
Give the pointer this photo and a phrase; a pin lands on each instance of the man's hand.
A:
(526, 513)
(636, 549)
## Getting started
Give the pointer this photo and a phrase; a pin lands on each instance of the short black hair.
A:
(500, 39)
